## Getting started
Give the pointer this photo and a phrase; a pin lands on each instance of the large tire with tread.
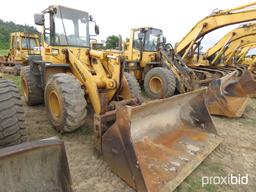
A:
(65, 102)
(31, 87)
(159, 82)
(12, 120)
(134, 87)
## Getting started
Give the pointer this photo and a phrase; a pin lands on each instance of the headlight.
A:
(55, 51)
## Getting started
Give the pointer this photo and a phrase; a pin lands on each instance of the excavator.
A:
(27, 165)
(232, 49)
(243, 57)
(22, 44)
(214, 54)
(152, 146)
(189, 48)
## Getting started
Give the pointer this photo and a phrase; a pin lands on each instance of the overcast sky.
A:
(175, 18)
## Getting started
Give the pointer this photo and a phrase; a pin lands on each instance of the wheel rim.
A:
(54, 105)
(156, 85)
(25, 88)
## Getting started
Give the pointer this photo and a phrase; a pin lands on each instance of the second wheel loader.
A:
(152, 146)
(22, 44)
(163, 73)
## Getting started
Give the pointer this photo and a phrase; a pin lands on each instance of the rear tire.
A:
(31, 87)
(65, 102)
(12, 126)
(159, 83)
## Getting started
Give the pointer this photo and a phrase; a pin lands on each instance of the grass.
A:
(15, 79)
(193, 183)
(3, 52)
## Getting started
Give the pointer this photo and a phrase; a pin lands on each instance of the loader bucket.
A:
(226, 96)
(35, 166)
(245, 87)
(156, 145)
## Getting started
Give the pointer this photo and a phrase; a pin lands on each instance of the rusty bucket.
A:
(228, 96)
(156, 145)
(35, 166)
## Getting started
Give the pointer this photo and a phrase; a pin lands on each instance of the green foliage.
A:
(112, 42)
(7, 27)
(15, 79)
(4, 52)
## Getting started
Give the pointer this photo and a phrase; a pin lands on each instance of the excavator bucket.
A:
(228, 96)
(35, 166)
(156, 145)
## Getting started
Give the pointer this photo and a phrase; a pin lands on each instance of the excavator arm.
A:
(237, 33)
(234, 46)
(214, 21)
(244, 50)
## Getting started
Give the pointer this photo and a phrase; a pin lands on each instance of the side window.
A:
(136, 41)
(17, 43)
(47, 28)
(13, 42)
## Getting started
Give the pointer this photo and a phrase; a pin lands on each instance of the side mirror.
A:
(164, 40)
(140, 35)
(39, 19)
(97, 30)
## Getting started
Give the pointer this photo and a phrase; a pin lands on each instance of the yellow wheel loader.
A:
(22, 44)
(163, 73)
(139, 141)
(154, 65)
(27, 166)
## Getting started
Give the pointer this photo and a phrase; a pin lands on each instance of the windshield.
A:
(151, 39)
(71, 27)
(28, 43)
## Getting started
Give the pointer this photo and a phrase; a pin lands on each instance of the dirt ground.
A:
(236, 154)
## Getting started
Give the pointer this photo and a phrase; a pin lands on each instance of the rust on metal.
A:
(35, 166)
(228, 96)
(156, 145)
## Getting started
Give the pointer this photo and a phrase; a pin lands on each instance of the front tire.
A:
(65, 102)
(159, 83)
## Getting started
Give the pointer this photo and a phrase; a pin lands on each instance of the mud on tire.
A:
(31, 86)
(133, 86)
(152, 81)
(12, 127)
(65, 102)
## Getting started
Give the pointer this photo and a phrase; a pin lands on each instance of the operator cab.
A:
(65, 26)
(147, 39)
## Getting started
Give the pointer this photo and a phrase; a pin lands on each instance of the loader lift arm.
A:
(185, 75)
(93, 82)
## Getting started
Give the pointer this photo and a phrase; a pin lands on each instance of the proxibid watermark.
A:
(230, 179)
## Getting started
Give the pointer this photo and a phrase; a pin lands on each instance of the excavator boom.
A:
(217, 19)
(240, 32)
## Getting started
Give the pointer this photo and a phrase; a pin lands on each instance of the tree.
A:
(112, 42)
(7, 27)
